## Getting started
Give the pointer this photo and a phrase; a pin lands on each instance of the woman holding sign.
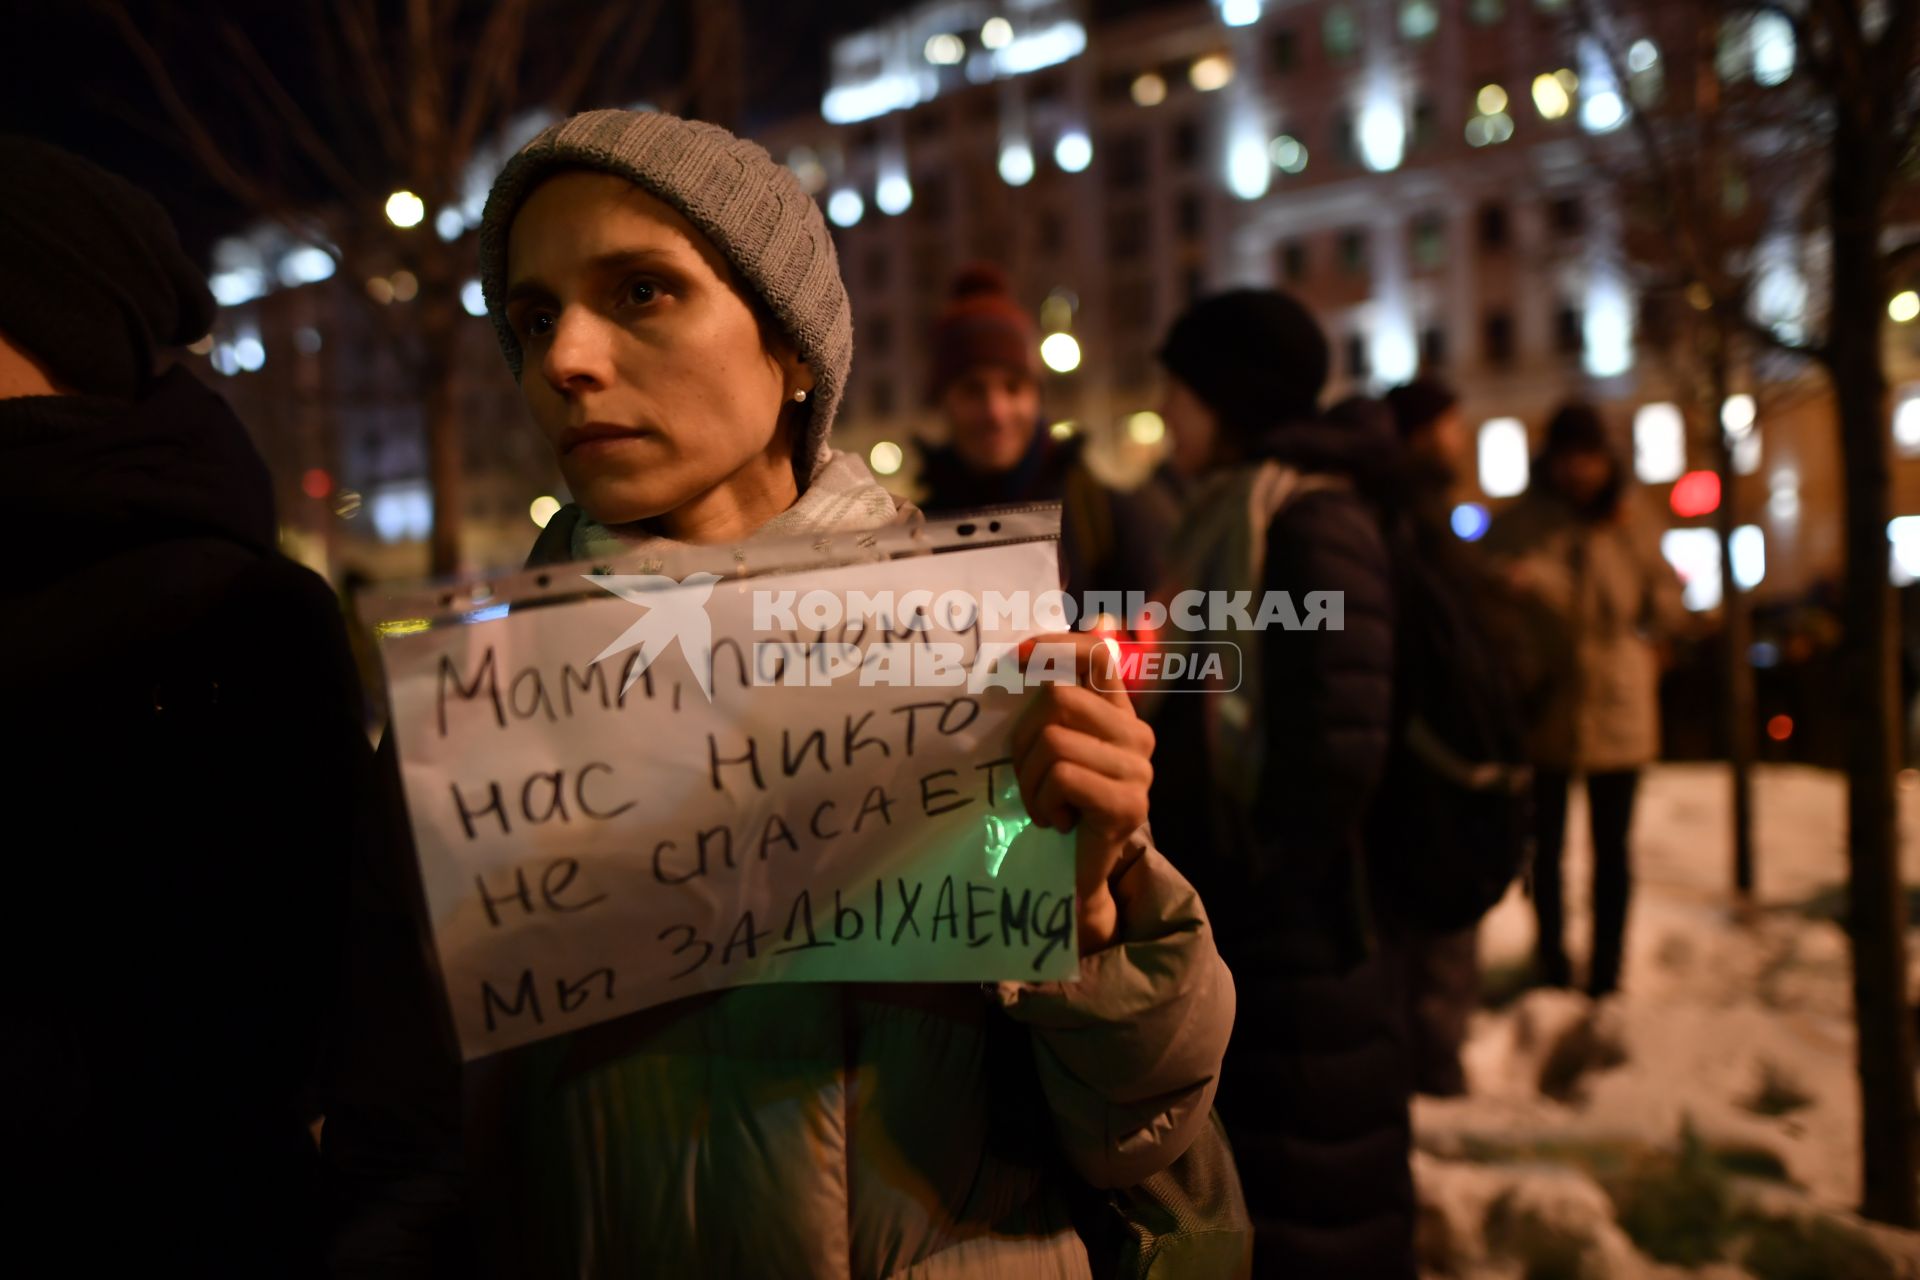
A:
(670, 302)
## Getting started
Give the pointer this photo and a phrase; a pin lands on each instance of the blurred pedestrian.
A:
(1267, 787)
(188, 768)
(672, 284)
(1440, 971)
(1583, 563)
(986, 384)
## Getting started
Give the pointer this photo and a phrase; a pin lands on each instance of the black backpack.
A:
(1452, 823)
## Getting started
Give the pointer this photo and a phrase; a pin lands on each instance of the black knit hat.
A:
(1576, 428)
(93, 282)
(1255, 356)
(1420, 404)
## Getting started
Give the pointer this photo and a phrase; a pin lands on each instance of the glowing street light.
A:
(405, 209)
(1060, 352)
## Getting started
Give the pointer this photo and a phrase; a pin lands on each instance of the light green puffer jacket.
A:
(848, 1132)
(835, 1131)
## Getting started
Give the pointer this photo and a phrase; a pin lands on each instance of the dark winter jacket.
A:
(187, 772)
(1110, 539)
(1314, 1090)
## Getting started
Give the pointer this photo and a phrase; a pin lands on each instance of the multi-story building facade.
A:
(1433, 177)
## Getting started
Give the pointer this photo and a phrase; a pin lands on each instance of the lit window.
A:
(1695, 556)
(1659, 443)
(1903, 532)
(1341, 32)
(1503, 458)
(1906, 419)
(1749, 552)
(1419, 19)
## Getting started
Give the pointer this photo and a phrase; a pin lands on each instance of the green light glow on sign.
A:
(1001, 833)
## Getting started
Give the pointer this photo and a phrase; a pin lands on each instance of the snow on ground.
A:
(1717, 999)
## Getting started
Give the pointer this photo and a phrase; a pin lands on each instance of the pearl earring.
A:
(800, 396)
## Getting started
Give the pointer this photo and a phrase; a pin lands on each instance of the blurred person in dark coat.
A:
(189, 768)
(1268, 785)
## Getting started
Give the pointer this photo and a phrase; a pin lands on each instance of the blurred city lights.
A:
(1249, 167)
(249, 354)
(473, 299)
(1214, 71)
(1903, 532)
(885, 458)
(1780, 728)
(543, 508)
(946, 50)
(894, 195)
(1773, 48)
(306, 265)
(1149, 90)
(1906, 419)
(807, 168)
(1737, 414)
(1383, 134)
(1659, 444)
(1695, 555)
(316, 483)
(1288, 153)
(1695, 494)
(1470, 521)
(1643, 56)
(1749, 552)
(1904, 306)
(996, 34)
(1239, 13)
(406, 286)
(1146, 427)
(1060, 352)
(1061, 430)
(1074, 151)
(1603, 112)
(1503, 457)
(1550, 97)
(1491, 98)
(1016, 164)
(1419, 19)
(380, 289)
(845, 207)
(449, 223)
(405, 209)
(1056, 312)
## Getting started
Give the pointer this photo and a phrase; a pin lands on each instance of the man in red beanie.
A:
(986, 382)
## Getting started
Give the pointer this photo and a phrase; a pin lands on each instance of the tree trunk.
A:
(1876, 913)
(1736, 666)
(439, 372)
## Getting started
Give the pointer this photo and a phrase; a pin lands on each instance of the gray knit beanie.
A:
(751, 208)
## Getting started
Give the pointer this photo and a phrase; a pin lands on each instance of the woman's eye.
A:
(540, 324)
(642, 292)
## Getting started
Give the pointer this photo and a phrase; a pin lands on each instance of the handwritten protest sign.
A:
(597, 834)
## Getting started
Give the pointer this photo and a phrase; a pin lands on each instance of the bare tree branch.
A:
(358, 24)
(490, 80)
(573, 81)
(289, 111)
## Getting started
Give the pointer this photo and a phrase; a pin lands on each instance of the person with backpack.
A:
(669, 301)
(1268, 783)
(1451, 833)
(986, 385)
(1582, 565)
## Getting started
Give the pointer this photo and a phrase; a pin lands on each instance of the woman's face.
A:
(1195, 429)
(1581, 474)
(645, 368)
